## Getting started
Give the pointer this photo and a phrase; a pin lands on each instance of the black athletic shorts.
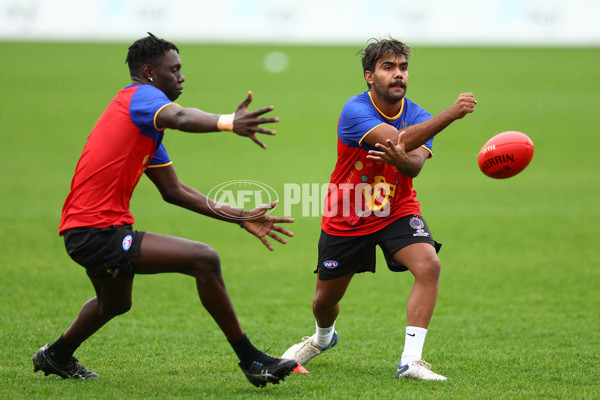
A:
(341, 255)
(104, 251)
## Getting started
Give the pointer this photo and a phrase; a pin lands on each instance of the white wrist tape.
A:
(225, 122)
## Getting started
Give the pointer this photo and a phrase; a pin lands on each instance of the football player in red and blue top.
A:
(384, 140)
(96, 223)
(384, 189)
(123, 144)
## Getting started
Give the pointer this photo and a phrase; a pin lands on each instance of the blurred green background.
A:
(518, 304)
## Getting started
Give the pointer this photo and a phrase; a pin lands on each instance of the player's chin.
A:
(174, 95)
(397, 95)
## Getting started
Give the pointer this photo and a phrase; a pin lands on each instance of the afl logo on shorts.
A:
(330, 264)
(127, 242)
(416, 223)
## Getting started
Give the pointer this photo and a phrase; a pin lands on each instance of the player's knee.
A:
(207, 261)
(322, 301)
(112, 309)
(428, 269)
(122, 308)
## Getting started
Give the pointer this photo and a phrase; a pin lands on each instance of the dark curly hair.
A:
(146, 51)
(379, 49)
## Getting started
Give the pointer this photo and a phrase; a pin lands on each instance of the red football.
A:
(505, 154)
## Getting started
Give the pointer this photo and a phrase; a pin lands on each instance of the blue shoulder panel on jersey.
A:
(360, 116)
(145, 103)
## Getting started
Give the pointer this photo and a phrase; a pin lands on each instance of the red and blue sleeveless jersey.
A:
(123, 143)
(365, 196)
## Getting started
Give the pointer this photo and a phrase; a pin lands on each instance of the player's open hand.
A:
(261, 225)
(394, 154)
(464, 104)
(246, 123)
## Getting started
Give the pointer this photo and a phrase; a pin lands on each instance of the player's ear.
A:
(369, 77)
(147, 71)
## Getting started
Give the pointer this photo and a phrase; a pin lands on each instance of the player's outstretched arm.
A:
(418, 134)
(175, 192)
(242, 122)
(254, 221)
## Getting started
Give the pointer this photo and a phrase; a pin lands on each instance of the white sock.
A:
(413, 344)
(324, 335)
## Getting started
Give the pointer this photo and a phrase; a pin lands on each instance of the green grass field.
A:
(517, 315)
